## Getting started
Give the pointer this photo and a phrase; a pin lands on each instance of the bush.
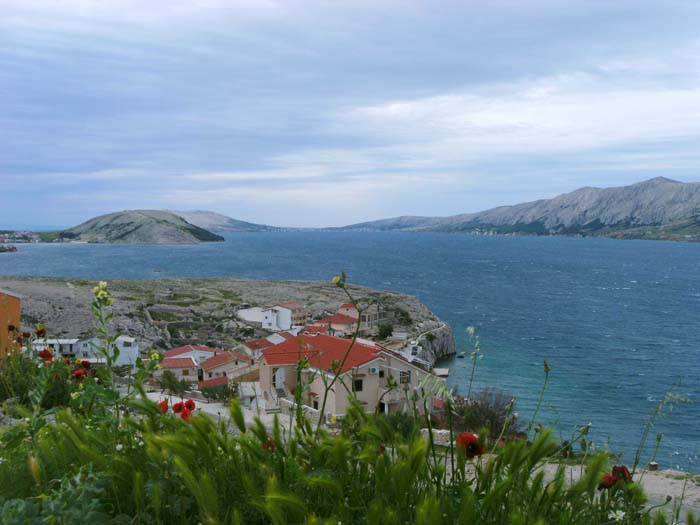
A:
(385, 330)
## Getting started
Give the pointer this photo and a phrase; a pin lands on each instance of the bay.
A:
(618, 321)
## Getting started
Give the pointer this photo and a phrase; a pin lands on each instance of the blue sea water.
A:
(618, 321)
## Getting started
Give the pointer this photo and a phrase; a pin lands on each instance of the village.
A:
(356, 346)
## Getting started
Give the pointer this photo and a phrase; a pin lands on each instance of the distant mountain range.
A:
(136, 226)
(658, 208)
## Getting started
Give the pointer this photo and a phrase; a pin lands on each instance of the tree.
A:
(385, 330)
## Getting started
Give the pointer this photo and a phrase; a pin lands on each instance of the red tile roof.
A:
(178, 362)
(348, 305)
(316, 329)
(338, 319)
(191, 348)
(289, 336)
(259, 344)
(214, 381)
(222, 359)
(321, 350)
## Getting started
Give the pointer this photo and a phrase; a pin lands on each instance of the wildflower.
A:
(336, 279)
(178, 407)
(119, 447)
(19, 339)
(75, 395)
(26, 335)
(163, 406)
(40, 331)
(469, 443)
(607, 482)
(617, 515)
(185, 414)
(78, 360)
(622, 472)
(46, 354)
(153, 355)
(189, 405)
(67, 360)
(79, 374)
(85, 364)
(269, 445)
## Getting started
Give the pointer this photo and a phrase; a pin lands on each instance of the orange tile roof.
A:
(222, 359)
(321, 350)
(214, 381)
(348, 305)
(178, 362)
(259, 344)
(191, 348)
(316, 329)
(338, 319)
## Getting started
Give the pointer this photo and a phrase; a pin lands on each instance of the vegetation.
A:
(385, 330)
(102, 455)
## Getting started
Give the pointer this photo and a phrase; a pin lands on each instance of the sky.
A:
(326, 113)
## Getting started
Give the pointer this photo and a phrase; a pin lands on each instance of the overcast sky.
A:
(320, 113)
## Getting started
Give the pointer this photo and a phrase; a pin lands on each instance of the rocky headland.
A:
(163, 313)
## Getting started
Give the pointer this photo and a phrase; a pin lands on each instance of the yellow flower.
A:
(78, 360)
(336, 279)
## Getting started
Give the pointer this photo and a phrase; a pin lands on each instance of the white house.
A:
(183, 368)
(369, 370)
(225, 364)
(89, 349)
(283, 316)
(197, 352)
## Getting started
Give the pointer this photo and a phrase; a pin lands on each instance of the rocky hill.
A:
(139, 226)
(659, 208)
(216, 222)
(164, 313)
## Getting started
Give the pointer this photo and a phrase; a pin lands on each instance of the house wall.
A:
(350, 311)
(10, 306)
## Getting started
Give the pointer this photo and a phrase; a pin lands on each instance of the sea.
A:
(617, 321)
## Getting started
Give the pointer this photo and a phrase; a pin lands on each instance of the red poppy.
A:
(46, 354)
(41, 333)
(163, 405)
(607, 482)
(269, 445)
(26, 335)
(79, 374)
(186, 414)
(48, 361)
(470, 444)
(189, 405)
(178, 407)
(67, 360)
(622, 472)
(19, 339)
(85, 364)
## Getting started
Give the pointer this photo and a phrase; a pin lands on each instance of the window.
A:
(358, 385)
(85, 354)
(316, 404)
(185, 372)
(404, 377)
(224, 373)
(209, 374)
(381, 373)
(127, 344)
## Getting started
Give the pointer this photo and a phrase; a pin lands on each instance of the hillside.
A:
(216, 222)
(164, 313)
(658, 208)
(139, 226)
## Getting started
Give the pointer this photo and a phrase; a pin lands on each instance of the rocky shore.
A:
(162, 313)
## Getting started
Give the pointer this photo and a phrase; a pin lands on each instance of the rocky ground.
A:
(163, 313)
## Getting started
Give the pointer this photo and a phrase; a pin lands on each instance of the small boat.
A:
(461, 355)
